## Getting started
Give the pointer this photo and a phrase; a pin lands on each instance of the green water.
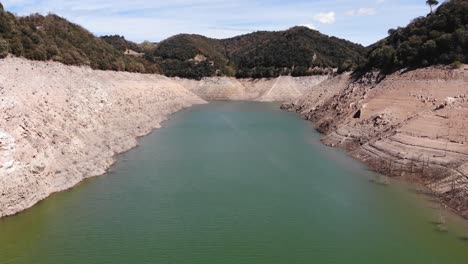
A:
(232, 183)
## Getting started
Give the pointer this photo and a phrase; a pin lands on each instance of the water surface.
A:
(237, 183)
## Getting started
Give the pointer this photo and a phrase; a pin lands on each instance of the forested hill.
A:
(438, 38)
(297, 51)
(51, 37)
(120, 43)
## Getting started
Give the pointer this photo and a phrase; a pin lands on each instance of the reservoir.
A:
(234, 183)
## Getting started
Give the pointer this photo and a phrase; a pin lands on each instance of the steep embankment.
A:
(279, 89)
(409, 124)
(60, 124)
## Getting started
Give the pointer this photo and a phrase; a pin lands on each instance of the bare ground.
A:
(62, 124)
(409, 124)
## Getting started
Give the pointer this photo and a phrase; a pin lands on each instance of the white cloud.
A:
(156, 20)
(325, 18)
(363, 11)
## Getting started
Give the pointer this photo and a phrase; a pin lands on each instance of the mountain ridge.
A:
(295, 51)
(438, 38)
(298, 51)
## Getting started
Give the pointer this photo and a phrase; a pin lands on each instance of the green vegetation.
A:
(439, 38)
(297, 51)
(3, 48)
(432, 3)
(50, 37)
(178, 56)
(120, 43)
(148, 47)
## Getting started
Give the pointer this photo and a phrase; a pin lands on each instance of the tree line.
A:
(441, 37)
(51, 37)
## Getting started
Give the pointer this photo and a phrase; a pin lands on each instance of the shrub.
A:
(456, 65)
(3, 48)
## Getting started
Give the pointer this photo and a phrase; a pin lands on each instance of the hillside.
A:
(51, 37)
(295, 51)
(438, 38)
(120, 43)
(192, 56)
(298, 51)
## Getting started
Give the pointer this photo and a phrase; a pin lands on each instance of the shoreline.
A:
(394, 125)
(417, 188)
(62, 124)
(66, 123)
(107, 170)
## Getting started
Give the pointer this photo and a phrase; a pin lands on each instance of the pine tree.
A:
(432, 3)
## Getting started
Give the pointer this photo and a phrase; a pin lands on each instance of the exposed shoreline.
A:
(62, 124)
(409, 125)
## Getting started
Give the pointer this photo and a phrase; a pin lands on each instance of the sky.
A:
(360, 21)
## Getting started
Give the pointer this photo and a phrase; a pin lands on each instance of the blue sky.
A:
(361, 21)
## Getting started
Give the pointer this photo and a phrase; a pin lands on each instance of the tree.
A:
(430, 40)
(432, 3)
(384, 57)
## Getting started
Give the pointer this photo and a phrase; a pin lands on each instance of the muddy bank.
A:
(61, 124)
(411, 125)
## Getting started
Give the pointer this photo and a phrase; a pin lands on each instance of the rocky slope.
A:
(60, 124)
(279, 89)
(409, 124)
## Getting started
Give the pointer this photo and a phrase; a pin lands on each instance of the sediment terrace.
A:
(279, 89)
(410, 124)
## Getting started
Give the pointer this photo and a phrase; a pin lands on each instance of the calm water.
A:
(232, 183)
